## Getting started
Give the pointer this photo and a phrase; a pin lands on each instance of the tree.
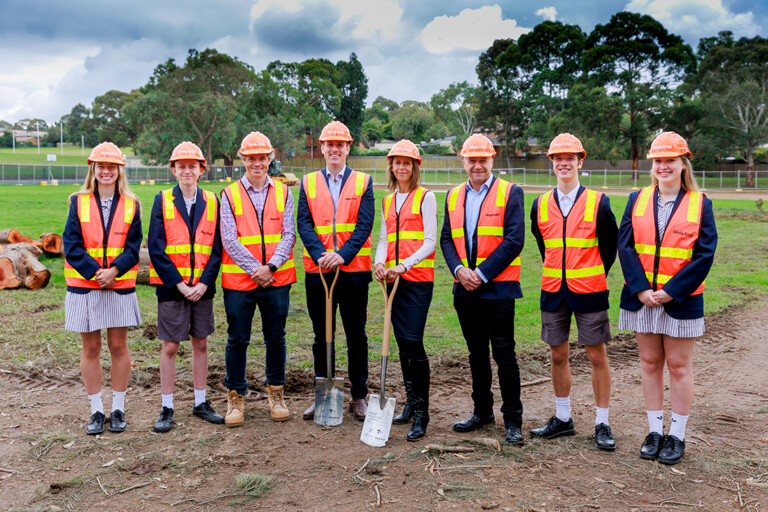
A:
(353, 86)
(107, 111)
(385, 104)
(412, 121)
(455, 106)
(79, 126)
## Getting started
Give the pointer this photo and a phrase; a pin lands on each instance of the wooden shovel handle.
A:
(329, 305)
(388, 299)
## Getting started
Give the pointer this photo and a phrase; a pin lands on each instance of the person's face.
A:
(256, 166)
(107, 173)
(187, 171)
(478, 169)
(668, 170)
(566, 166)
(402, 168)
(335, 152)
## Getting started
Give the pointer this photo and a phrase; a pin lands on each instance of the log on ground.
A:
(142, 276)
(28, 270)
(51, 244)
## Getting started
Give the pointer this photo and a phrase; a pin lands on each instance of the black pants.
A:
(484, 320)
(351, 298)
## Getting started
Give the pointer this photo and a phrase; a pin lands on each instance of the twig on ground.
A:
(363, 466)
(7, 471)
(451, 449)
(680, 503)
(137, 486)
(378, 494)
(102, 487)
(534, 382)
(49, 350)
(701, 439)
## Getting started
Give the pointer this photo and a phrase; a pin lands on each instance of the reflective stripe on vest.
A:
(490, 226)
(571, 249)
(662, 261)
(405, 235)
(103, 251)
(334, 228)
(260, 244)
(189, 256)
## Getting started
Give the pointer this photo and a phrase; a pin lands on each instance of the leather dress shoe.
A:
(651, 446)
(555, 427)
(206, 412)
(672, 450)
(117, 421)
(604, 438)
(96, 424)
(474, 422)
(309, 414)
(514, 435)
(164, 421)
(358, 408)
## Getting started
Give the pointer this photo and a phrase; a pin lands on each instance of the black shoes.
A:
(206, 412)
(652, 446)
(117, 421)
(474, 422)
(672, 450)
(419, 427)
(514, 435)
(555, 428)
(96, 424)
(604, 438)
(406, 415)
(164, 421)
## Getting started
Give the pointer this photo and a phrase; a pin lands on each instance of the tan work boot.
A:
(277, 408)
(235, 409)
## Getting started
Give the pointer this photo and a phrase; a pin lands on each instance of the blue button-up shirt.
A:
(334, 185)
(473, 203)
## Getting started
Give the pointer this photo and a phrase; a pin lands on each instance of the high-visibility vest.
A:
(334, 228)
(103, 249)
(571, 251)
(662, 261)
(490, 226)
(405, 235)
(188, 255)
(260, 239)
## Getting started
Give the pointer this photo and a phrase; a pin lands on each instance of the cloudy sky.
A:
(56, 54)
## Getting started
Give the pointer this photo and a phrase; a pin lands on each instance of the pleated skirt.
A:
(655, 320)
(100, 309)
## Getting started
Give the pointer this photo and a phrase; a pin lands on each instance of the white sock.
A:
(199, 396)
(96, 403)
(118, 400)
(677, 427)
(168, 400)
(656, 421)
(602, 416)
(563, 408)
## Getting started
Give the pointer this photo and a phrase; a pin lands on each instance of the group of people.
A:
(666, 243)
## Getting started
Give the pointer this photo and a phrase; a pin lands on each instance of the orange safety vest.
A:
(189, 256)
(405, 235)
(571, 249)
(103, 249)
(260, 239)
(490, 225)
(662, 261)
(334, 228)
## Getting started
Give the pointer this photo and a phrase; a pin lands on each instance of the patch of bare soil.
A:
(48, 463)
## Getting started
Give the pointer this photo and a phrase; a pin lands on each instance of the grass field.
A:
(739, 274)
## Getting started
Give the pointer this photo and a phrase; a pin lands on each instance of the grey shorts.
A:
(177, 320)
(593, 328)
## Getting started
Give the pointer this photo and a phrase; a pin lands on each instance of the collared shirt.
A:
(334, 184)
(237, 251)
(189, 203)
(566, 201)
(473, 203)
(106, 206)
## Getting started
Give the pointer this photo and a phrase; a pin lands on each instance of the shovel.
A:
(381, 408)
(329, 391)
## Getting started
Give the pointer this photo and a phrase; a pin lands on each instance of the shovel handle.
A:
(329, 320)
(388, 299)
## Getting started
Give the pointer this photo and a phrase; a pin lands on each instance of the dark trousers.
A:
(240, 306)
(484, 320)
(351, 298)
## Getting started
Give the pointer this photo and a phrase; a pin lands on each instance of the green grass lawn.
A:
(33, 326)
(71, 156)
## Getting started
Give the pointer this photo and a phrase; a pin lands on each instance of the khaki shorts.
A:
(593, 328)
(177, 320)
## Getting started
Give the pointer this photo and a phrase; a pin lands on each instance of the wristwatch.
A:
(271, 268)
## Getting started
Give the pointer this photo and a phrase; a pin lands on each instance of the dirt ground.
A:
(48, 463)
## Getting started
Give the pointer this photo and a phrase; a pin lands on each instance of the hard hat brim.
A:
(106, 161)
(668, 154)
(468, 154)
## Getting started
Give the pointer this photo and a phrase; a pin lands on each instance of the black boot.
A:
(420, 375)
(407, 414)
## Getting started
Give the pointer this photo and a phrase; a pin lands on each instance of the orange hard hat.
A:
(335, 130)
(477, 145)
(187, 151)
(405, 148)
(566, 143)
(669, 144)
(108, 153)
(256, 143)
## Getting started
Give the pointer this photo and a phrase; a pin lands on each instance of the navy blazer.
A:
(607, 233)
(683, 305)
(509, 249)
(305, 225)
(156, 243)
(86, 265)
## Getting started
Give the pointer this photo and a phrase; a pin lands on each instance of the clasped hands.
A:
(105, 277)
(468, 279)
(194, 292)
(381, 273)
(652, 299)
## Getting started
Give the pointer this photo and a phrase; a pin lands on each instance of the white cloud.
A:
(473, 29)
(548, 13)
(694, 19)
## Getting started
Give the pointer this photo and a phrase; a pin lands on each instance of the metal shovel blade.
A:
(378, 421)
(329, 401)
